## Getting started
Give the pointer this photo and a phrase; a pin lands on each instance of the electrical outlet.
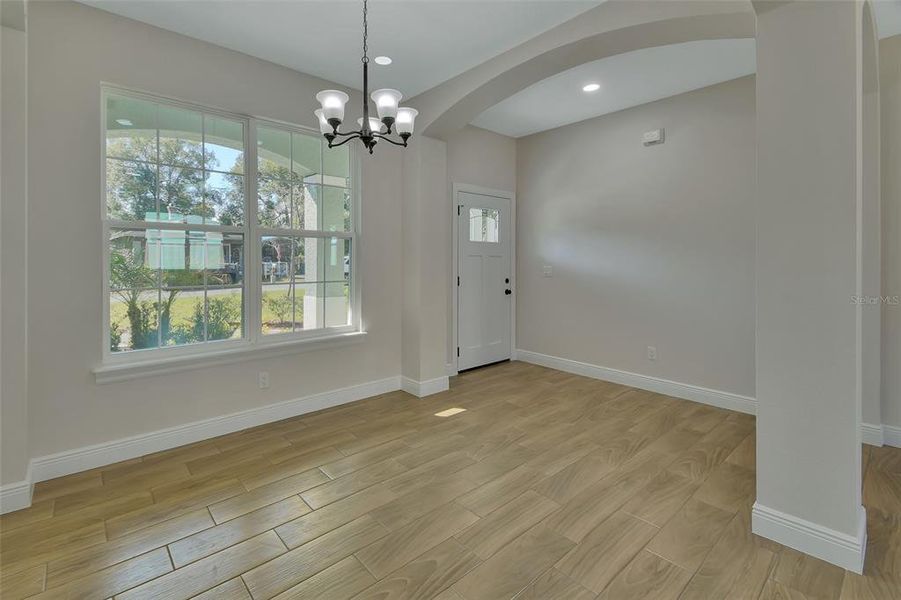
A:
(652, 352)
(263, 380)
(548, 271)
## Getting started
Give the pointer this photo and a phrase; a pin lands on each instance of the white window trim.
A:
(253, 344)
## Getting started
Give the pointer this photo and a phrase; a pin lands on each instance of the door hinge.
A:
(459, 206)
(458, 351)
(458, 281)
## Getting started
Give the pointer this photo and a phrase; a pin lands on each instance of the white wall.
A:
(809, 203)
(871, 251)
(479, 157)
(890, 83)
(648, 245)
(425, 308)
(72, 49)
(13, 256)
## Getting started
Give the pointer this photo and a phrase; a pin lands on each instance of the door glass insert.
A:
(483, 225)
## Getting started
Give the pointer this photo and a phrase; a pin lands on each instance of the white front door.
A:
(484, 287)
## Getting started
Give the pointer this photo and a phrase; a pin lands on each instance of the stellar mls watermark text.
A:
(870, 300)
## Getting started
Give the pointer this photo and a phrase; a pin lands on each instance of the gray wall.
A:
(13, 256)
(648, 245)
(72, 49)
(890, 85)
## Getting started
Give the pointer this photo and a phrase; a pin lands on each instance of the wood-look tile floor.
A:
(548, 486)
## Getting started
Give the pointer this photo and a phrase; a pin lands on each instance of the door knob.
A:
(508, 292)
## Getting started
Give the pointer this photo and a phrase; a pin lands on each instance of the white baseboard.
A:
(872, 434)
(891, 435)
(421, 389)
(846, 551)
(685, 391)
(16, 496)
(81, 459)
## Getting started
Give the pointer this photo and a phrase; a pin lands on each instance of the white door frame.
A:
(458, 187)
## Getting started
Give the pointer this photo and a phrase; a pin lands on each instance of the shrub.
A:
(223, 320)
(280, 305)
(115, 337)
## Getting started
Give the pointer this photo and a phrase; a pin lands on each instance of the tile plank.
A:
(209, 572)
(427, 576)
(293, 567)
(214, 539)
(513, 568)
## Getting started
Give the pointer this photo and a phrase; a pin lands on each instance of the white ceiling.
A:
(637, 78)
(626, 80)
(429, 40)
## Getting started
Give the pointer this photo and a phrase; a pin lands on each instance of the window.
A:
(304, 216)
(220, 229)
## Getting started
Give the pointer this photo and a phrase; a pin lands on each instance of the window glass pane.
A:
(223, 144)
(308, 306)
(224, 314)
(181, 195)
(224, 199)
(224, 259)
(273, 153)
(277, 253)
(306, 206)
(181, 316)
(335, 209)
(274, 203)
(133, 320)
(483, 225)
(308, 259)
(130, 128)
(337, 259)
(278, 309)
(133, 260)
(336, 166)
(180, 257)
(180, 137)
(337, 304)
(307, 157)
(130, 189)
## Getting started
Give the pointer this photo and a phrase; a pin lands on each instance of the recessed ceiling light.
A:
(383, 60)
(591, 87)
(124, 122)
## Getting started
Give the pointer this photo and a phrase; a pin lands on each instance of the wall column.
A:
(809, 266)
(15, 487)
(425, 308)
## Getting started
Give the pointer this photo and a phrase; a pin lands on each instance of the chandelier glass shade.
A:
(392, 118)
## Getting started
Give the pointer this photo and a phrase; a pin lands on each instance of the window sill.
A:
(114, 372)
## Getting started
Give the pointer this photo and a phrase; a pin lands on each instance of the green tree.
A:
(128, 277)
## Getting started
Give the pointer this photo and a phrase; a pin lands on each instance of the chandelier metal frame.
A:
(392, 119)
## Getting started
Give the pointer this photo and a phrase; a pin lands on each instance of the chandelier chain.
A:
(365, 31)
